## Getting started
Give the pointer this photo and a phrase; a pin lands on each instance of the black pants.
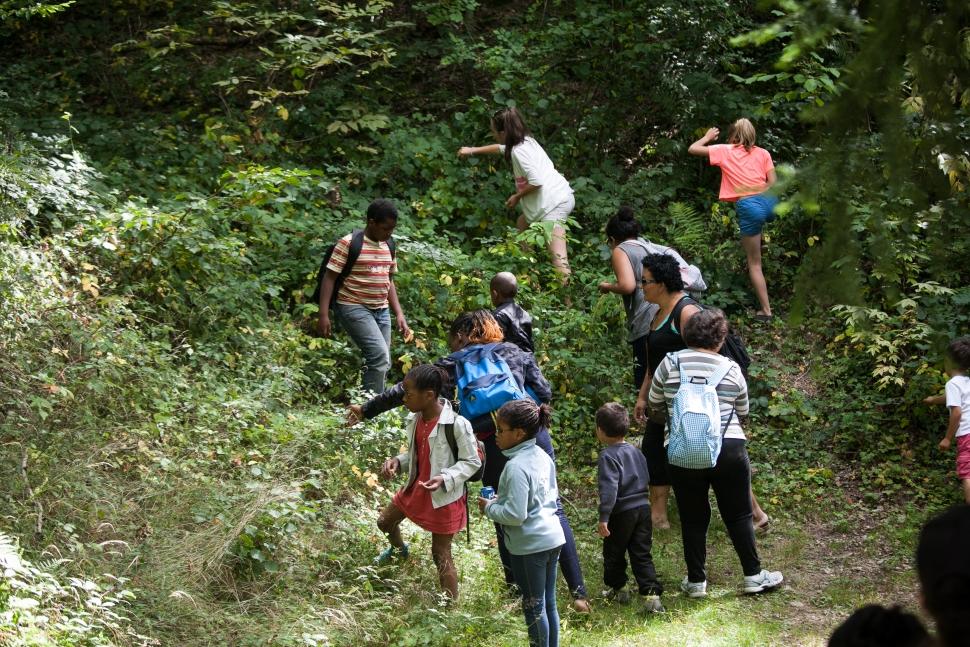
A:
(630, 532)
(731, 481)
(495, 462)
(656, 454)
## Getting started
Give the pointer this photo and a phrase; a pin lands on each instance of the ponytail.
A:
(525, 415)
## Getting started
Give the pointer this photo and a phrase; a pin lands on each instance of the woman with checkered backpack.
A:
(706, 449)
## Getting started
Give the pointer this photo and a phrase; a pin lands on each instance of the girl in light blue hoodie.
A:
(526, 509)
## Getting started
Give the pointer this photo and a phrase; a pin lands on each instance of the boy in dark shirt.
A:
(624, 512)
(515, 321)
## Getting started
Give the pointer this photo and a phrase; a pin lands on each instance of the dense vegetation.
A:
(170, 431)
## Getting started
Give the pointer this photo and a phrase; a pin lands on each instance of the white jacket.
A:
(456, 470)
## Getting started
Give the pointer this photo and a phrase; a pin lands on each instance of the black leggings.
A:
(656, 454)
(730, 479)
(495, 462)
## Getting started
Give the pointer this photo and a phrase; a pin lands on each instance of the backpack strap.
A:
(674, 317)
(720, 373)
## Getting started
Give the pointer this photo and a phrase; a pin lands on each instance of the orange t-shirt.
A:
(743, 172)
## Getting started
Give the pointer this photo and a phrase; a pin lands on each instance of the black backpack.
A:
(477, 476)
(356, 244)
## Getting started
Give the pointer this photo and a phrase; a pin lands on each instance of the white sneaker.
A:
(694, 589)
(620, 596)
(763, 581)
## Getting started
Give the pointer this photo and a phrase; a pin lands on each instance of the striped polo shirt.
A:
(731, 392)
(369, 278)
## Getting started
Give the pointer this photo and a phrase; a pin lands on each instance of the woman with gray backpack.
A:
(705, 398)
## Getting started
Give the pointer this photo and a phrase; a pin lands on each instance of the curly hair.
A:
(959, 352)
(707, 329)
(477, 327)
(665, 270)
(613, 419)
(526, 415)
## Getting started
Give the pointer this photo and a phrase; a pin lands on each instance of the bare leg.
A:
(759, 516)
(752, 248)
(447, 573)
(966, 490)
(557, 250)
(389, 522)
(658, 506)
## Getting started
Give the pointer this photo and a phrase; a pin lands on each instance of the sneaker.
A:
(763, 581)
(694, 589)
(620, 596)
(652, 604)
(389, 553)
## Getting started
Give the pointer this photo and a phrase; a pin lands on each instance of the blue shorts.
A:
(754, 211)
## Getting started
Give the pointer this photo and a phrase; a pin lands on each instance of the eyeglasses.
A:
(648, 281)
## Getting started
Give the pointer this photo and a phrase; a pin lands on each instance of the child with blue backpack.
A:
(705, 397)
(526, 506)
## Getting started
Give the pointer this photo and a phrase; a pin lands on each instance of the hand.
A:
(640, 410)
(928, 400)
(323, 325)
(483, 503)
(512, 201)
(433, 483)
(466, 151)
(603, 529)
(945, 444)
(711, 134)
(606, 286)
(402, 326)
(390, 467)
(355, 413)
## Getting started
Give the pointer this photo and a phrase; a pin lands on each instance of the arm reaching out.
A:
(699, 147)
(469, 151)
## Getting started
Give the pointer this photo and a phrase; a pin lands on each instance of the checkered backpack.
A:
(695, 420)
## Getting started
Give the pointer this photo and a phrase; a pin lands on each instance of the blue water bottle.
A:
(487, 492)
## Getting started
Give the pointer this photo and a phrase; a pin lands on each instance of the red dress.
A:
(415, 501)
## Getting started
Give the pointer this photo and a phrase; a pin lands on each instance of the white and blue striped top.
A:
(732, 392)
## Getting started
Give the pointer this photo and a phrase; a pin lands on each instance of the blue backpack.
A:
(485, 381)
(695, 420)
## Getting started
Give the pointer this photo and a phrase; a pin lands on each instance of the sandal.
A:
(762, 526)
(763, 318)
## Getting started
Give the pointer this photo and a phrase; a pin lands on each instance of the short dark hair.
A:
(505, 285)
(381, 210)
(959, 352)
(427, 376)
(666, 270)
(943, 567)
(706, 329)
(876, 626)
(613, 419)
(623, 225)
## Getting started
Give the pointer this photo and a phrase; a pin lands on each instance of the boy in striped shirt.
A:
(363, 297)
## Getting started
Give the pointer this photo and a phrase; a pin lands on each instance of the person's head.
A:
(877, 626)
(381, 220)
(958, 356)
(422, 385)
(475, 327)
(661, 276)
(622, 226)
(520, 420)
(706, 329)
(508, 129)
(612, 422)
(503, 288)
(742, 132)
(943, 568)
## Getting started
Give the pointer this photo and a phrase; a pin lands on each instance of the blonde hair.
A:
(742, 132)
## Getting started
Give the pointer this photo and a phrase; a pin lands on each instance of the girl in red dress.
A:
(434, 497)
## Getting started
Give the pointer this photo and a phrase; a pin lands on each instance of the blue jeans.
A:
(536, 576)
(495, 462)
(370, 328)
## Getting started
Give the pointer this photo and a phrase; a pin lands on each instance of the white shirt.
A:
(530, 164)
(958, 395)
